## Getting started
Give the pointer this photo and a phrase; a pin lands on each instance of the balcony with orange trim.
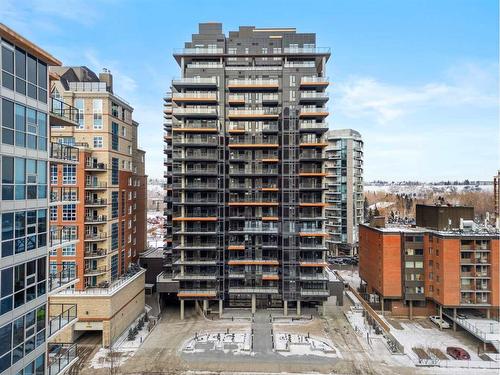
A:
(197, 293)
(194, 97)
(314, 82)
(253, 204)
(317, 233)
(194, 219)
(313, 264)
(312, 204)
(313, 144)
(235, 99)
(270, 277)
(270, 218)
(253, 262)
(236, 247)
(313, 111)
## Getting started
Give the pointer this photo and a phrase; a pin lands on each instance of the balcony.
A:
(206, 82)
(92, 165)
(61, 357)
(236, 99)
(95, 253)
(60, 316)
(313, 263)
(96, 219)
(62, 114)
(194, 97)
(314, 82)
(254, 142)
(63, 277)
(313, 97)
(253, 262)
(307, 50)
(254, 290)
(249, 171)
(313, 126)
(61, 153)
(196, 276)
(253, 84)
(309, 276)
(96, 185)
(199, 51)
(96, 202)
(63, 195)
(197, 293)
(94, 237)
(62, 236)
(197, 141)
(270, 99)
(250, 114)
(195, 112)
(95, 271)
(312, 111)
(314, 292)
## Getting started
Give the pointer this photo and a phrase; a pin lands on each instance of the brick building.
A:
(419, 271)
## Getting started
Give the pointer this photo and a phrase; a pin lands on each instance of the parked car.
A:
(461, 316)
(458, 353)
(440, 322)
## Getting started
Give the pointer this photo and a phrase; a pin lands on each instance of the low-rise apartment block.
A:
(447, 265)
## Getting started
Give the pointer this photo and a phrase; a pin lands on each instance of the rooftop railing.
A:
(62, 152)
(64, 110)
(60, 357)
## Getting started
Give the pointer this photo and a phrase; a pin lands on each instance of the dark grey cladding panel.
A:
(210, 28)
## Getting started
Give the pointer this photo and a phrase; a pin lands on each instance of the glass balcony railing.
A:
(66, 115)
(63, 153)
(62, 275)
(61, 357)
(61, 235)
(60, 316)
(63, 194)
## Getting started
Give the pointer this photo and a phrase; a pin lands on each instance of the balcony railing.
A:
(60, 316)
(62, 276)
(62, 235)
(180, 96)
(63, 194)
(96, 184)
(92, 271)
(199, 51)
(65, 112)
(252, 82)
(314, 95)
(195, 81)
(96, 202)
(61, 357)
(63, 153)
(199, 111)
(93, 164)
(96, 219)
(100, 236)
(314, 80)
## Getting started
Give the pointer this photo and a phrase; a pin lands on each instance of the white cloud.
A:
(467, 84)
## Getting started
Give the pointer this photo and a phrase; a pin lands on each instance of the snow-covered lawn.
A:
(294, 344)
(351, 277)
(228, 342)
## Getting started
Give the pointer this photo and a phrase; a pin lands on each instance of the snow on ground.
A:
(294, 344)
(351, 277)
(122, 349)
(380, 205)
(423, 188)
(488, 328)
(238, 342)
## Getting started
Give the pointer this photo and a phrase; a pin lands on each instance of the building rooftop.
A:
(478, 230)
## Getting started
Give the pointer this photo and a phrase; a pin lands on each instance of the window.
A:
(292, 81)
(21, 284)
(114, 204)
(114, 109)
(69, 175)
(129, 150)
(409, 264)
(23, 179)
(114, 136)
(80, 105)
(53, 174)
(114, 171)
(114, 236)
(68, 251)
(292, 95)
(97, 110)
(53, 213)
(98, 141)
(114, 267)
(124, 131)
(7, 68)
(69, 212)
(23, 126)
(122, 237)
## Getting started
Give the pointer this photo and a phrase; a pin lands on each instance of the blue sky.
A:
(418, 78)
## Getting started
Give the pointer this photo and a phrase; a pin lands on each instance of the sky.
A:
(418, 78)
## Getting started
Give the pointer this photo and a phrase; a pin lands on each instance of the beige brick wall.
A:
(116, 312)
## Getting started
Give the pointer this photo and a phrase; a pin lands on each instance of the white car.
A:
(440, 322)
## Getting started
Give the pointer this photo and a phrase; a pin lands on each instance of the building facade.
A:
(496, 194)
(244, 144)
(27, 318)
(344, 168)
(103, 192)
(419, 271)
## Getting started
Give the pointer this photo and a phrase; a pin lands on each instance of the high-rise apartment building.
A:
(245, 126)
(27, 318)
(344, 168)
(103, 192)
